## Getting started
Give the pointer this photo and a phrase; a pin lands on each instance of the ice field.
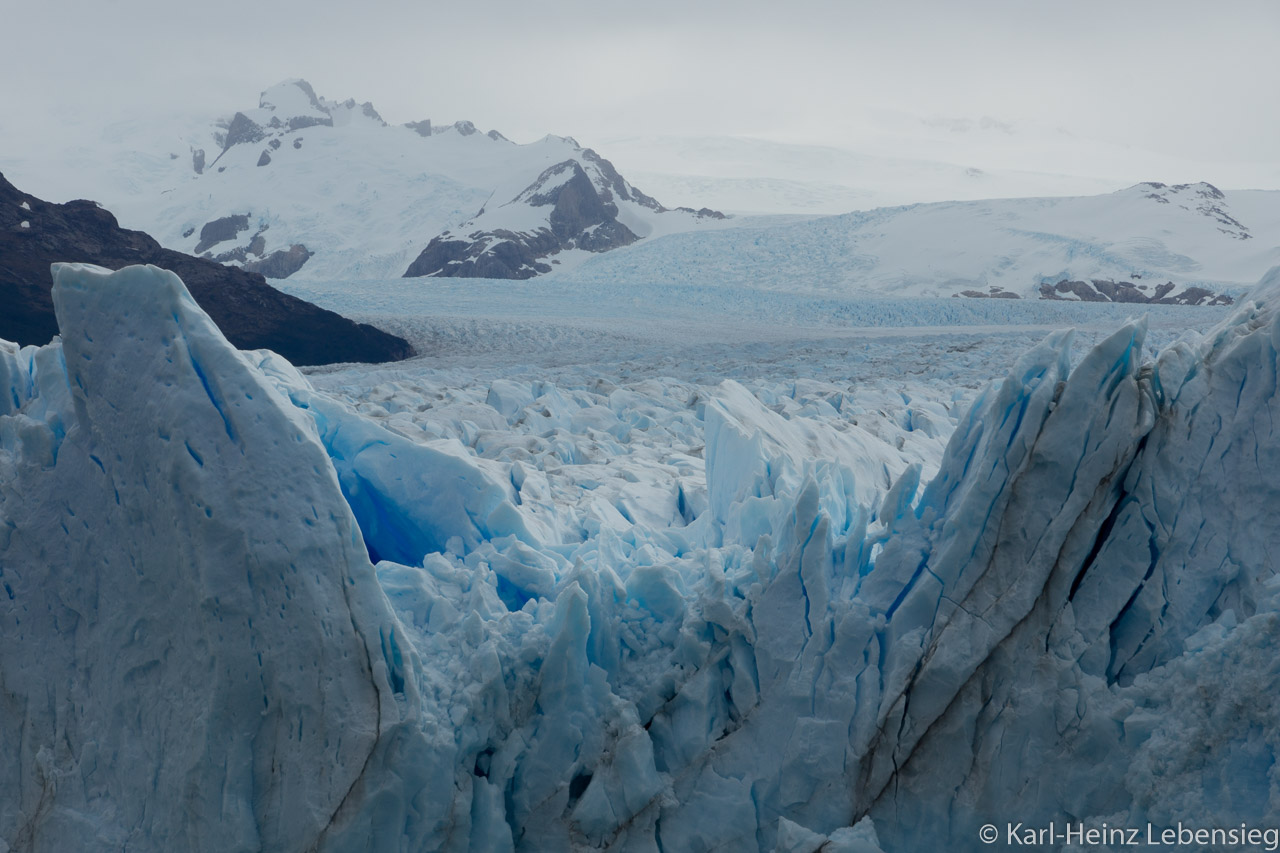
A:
(636, 569)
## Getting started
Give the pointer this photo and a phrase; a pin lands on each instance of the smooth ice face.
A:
(813, 650)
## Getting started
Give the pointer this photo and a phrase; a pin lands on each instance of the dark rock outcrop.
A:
(299, 122)
(251, 313)
(580, 217)
(264, 159)
(995, 293)
(281, 263)
(242, 129)
(704, 212)
(422, 128)
(197, 161)
(218, 230)
(1105, 290)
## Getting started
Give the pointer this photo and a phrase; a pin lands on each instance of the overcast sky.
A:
(1194, 80)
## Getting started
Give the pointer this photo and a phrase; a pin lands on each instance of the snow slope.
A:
(758, 176)
(628, 613)
(1146, 235)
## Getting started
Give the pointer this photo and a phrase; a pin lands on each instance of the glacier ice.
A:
(189, 623)
(238, 614)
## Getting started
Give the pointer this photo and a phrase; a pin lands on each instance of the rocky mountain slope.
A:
(251, 313)
(579, 205)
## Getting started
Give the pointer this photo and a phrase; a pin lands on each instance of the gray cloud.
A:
(1184, 79)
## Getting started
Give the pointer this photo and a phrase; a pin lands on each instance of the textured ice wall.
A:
(1074, 619)
(193, 637)
(1137, 686)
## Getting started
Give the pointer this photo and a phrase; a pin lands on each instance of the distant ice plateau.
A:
(248, 609)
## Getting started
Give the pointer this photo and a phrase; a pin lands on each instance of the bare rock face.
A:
(994, 292)
(580, 217)
(281, 263)
(242, 129)
(251, 313)
(1106, 290)
(703, 212)
(219, 230)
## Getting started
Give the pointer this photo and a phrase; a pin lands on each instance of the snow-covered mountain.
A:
(1123, 246)
(302, 183)
(575, 208)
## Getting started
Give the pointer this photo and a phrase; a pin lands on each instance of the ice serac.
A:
(1073, 619)
(194, 638)
(1028, 637)
(1150, 579)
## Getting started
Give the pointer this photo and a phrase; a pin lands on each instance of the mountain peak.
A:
(1200, 197)
(291, 97)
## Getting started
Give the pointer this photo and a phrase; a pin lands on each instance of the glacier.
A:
(241, 612)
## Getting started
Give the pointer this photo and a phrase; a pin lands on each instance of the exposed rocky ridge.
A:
(222, 229)
(583, 214)
(993, 292)
(1204, 198)
(281, 263)
(1106, 290)
(252, 314)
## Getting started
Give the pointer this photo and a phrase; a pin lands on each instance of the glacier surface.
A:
(248, 609)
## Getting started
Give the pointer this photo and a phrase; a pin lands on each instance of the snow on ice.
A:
(248, 609)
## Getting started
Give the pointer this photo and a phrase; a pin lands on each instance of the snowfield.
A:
(1191, 234)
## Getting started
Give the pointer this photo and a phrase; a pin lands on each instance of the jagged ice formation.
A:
(1074, 618)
